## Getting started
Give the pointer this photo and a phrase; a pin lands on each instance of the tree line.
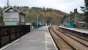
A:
(48, 15)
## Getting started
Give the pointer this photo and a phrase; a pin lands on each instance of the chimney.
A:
(75, 11)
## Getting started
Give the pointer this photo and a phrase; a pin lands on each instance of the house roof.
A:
(12, 9)
(8, 9)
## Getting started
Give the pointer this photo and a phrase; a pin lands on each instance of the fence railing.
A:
(11, 33)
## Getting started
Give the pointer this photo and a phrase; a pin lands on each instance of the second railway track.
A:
(72, 41)
(78, 39)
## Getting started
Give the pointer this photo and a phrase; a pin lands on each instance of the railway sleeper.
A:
(59, 42)
(71, 41)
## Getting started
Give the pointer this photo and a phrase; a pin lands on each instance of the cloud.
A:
(63, 5)
(2, 3)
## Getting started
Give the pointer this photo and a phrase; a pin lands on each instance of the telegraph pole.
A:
(8, 3)
(86, 11)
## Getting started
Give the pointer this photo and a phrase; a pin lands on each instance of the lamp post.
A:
(37, 21)
(45, 16)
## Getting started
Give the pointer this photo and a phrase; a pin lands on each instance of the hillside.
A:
(47, 15)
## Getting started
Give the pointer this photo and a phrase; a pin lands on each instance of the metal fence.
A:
(11, 33)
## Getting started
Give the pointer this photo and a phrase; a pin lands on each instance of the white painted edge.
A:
(52, 41)
(6, 46)
(75, 29)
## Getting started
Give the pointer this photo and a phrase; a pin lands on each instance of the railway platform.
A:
(76, 29)
(38, 39)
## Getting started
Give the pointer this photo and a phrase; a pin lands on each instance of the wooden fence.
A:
(11, 33)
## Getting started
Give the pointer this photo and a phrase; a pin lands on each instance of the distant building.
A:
(12, 16)
(74, 19)
(78, 19)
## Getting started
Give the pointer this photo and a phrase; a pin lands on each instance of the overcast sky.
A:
(63, 5)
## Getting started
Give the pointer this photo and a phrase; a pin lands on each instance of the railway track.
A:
(60, 43)
(76, 37)
(66, 41)
(74, 34)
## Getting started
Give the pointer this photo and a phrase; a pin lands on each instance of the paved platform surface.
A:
(76, 29)
(39, 39)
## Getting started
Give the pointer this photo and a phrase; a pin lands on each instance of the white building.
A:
(12, 16)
